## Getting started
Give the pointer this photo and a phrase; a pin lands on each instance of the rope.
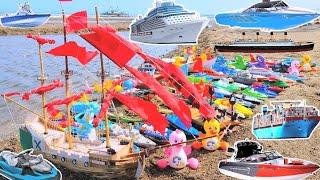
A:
(7, 105)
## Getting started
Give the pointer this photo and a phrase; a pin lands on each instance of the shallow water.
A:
(19, 69)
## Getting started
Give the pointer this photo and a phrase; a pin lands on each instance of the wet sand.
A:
(304, 149)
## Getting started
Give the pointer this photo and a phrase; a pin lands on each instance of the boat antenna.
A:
(102, 88)
(67, 73)
(42, 78)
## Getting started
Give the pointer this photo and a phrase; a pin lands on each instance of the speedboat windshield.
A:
(262, 157)
(267, 6)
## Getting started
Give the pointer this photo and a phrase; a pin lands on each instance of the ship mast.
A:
(67, 75)
(103, 90)
(42, 79)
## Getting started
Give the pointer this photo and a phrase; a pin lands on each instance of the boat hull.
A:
(264, 48)
(187, 33)
(266, 171)
(25, 21)
(265, 20)
(290, 129)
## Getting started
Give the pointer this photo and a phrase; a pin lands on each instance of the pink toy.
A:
(176, 156)
(294, 68)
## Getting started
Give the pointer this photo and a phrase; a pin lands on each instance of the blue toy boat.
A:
(25, 166)
(24, 18)
(286, 120)
(270, 15)
(177, 123)
(266, 91)
(83, 107)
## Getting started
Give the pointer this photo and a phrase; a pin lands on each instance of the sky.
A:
(135, 7)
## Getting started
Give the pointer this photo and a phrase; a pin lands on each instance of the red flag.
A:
(43, 89)
(11, 94)
(103, 111)
(146, 110)
(73, 49)
(77, 21)
(41, 40)
(177, 106)
(176, 77)
(107, 41)
(198, 67)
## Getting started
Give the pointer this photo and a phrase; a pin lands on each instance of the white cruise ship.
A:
(168, 23)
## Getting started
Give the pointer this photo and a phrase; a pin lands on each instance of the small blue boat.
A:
(24, 18)
(177, 123)
(25, 166)
(270, 15)
(286, 120)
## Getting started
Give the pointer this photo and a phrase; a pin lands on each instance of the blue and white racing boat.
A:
(24, 18)
(268, 15)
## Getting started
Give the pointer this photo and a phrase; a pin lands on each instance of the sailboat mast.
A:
(42, 79)
(103, 90)
(67, 75)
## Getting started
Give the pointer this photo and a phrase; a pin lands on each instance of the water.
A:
(19, 69)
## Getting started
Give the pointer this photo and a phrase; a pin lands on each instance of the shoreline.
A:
(54, 26)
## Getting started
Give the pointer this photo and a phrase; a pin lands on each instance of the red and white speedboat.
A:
(250, 162)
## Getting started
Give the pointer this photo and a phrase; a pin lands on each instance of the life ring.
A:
(74, 162)
(54, 156)
(63, 159)
(86, 164)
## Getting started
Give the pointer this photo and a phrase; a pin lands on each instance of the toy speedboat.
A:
(250, 162)
(27, 166)
(24, 18)
(271, 15)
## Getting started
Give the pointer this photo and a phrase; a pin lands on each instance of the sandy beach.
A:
(304, 149)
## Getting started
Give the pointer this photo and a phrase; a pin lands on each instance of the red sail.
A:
(107, 41)
(41, 40)
(198, 67)
(176, 77)
(73, 49)
(177, 106)
(43, 89)
(77, 21)
(10, 94)
(103, 111)
(146, 110)
(67, 100)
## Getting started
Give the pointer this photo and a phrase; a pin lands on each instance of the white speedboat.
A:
(268, 15)
(249, 161)
(24, 18)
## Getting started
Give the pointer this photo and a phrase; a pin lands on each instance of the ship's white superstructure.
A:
(168, 23)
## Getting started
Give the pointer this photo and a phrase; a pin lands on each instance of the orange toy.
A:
(213, 143)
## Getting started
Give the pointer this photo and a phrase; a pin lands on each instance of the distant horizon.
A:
(140, 7)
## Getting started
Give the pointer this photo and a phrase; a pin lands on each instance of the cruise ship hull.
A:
(172, 34)
(25, 21)
(300, 128)
(269, 21)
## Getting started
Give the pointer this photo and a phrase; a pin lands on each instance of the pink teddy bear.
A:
(176, 156)
(294, 69)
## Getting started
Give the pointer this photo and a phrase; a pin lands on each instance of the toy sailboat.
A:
(75, 142)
